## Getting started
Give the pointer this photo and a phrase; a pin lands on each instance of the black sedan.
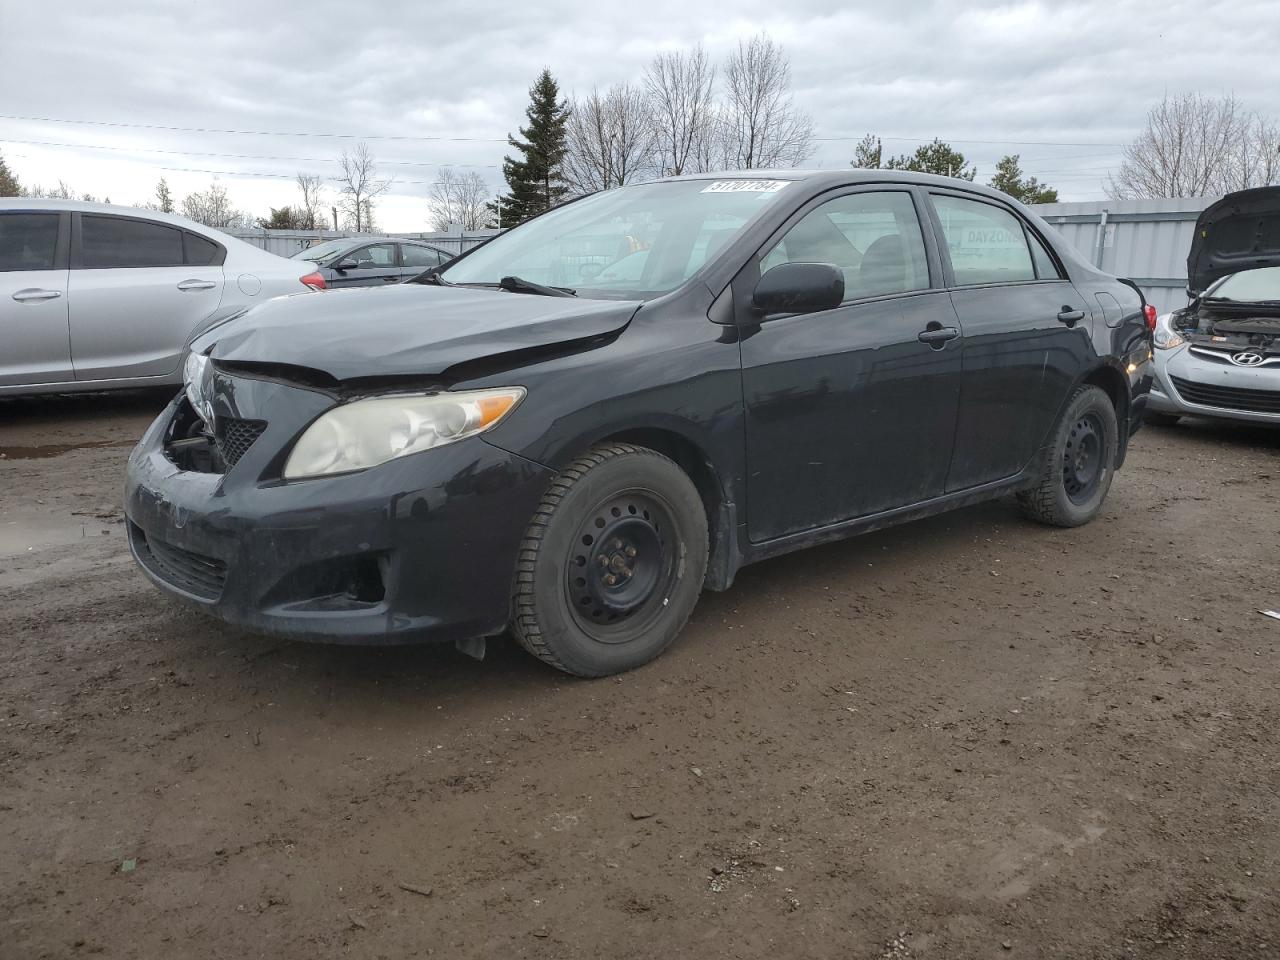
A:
(572, 431)
(371, 261)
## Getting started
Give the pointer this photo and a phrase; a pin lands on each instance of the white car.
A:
(94, 296)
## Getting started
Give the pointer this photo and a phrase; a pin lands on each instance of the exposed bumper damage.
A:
(418, 548)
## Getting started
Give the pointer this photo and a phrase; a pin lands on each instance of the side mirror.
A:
(799, 288)
(345, 264)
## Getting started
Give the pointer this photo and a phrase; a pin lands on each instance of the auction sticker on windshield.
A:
(745, 186)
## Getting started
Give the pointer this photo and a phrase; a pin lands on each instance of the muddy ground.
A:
(966, 737)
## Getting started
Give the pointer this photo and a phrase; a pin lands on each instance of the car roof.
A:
(87, 206)
(820, 179)
(383, 238)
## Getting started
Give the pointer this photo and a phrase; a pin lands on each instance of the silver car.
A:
(1220, 355)
(94, 296)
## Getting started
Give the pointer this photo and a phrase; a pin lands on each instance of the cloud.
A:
(1063, 84)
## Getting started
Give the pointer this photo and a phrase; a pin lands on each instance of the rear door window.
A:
(107, 242)
(1046, 269)
(986, 244)
(416, 256)
(28, 241)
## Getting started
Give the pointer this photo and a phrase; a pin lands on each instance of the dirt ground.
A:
(966, 737)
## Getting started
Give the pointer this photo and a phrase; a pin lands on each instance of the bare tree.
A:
(608, 139)
(461, 199)
(1196, 146)
(681, 93)
(360, 187)
(213, 208)
(759, 124)
(312, 201)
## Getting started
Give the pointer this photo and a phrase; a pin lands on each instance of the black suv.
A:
(574, 429)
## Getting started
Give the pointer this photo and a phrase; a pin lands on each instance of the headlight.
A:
(1165, 336)
(193, 375)
(365, 433)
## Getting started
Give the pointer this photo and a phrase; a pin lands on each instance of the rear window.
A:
(986, 244)
(28, 241)
(117, 242)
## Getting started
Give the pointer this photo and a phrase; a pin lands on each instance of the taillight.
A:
(1150, 312)
(314, 280)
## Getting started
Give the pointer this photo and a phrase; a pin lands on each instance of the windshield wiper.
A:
(431, 275)
(518, 285)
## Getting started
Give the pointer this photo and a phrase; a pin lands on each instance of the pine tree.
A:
(9, 185)
(535, 176)
(1009, 178)
(936, 157)
(164, 198)
(868, 153)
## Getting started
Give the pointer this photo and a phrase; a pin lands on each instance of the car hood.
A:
(1239, 232)
(406, 330)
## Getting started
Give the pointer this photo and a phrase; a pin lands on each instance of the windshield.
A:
(1248, 285)
(631, 243)
(322, 251)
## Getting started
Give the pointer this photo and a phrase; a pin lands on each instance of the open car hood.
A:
(406, 330)
(1239, 232)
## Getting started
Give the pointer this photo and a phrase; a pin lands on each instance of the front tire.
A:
(1079, 465)
(611, 564)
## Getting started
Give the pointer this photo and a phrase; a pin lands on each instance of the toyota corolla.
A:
(541, 439)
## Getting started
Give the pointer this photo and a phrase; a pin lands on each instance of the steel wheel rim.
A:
(1082, 458)
(621, 565)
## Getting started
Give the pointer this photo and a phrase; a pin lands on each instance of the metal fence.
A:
(286, 243)
(1144, 240)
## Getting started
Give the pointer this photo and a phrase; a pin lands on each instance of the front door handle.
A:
(35, 294)
(196, 285)
(1069, 315)
(396, 277)
(937, 336)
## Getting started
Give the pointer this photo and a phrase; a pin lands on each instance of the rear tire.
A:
(1161, 419)
(1078, 468)
(611, 564)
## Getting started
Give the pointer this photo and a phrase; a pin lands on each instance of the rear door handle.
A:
(1070, 316)
(36, 294)
(196, 285)
(396, 277)
(937, 336)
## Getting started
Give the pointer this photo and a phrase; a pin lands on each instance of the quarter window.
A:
(874, 238)
(415, 256)
(117, 242)
(986, 244)
(1046, 269)
(201, 251)
(28, 241)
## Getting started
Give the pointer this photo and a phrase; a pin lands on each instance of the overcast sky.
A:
(1064, 84)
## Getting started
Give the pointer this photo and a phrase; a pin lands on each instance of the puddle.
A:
(44, 451)
(32, 533)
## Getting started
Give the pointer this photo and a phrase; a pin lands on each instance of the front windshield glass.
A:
(631, 243)
(322, 251)
(1249, 285)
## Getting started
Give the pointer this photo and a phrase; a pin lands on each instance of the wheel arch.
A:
(721, 510)
(1116, 386)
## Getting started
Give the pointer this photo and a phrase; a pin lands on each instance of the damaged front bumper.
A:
(419, 548)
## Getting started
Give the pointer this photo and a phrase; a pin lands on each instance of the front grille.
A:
(1228, 398)
(201, 576)
(234, 437)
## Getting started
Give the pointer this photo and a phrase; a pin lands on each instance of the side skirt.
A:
(753, 552)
